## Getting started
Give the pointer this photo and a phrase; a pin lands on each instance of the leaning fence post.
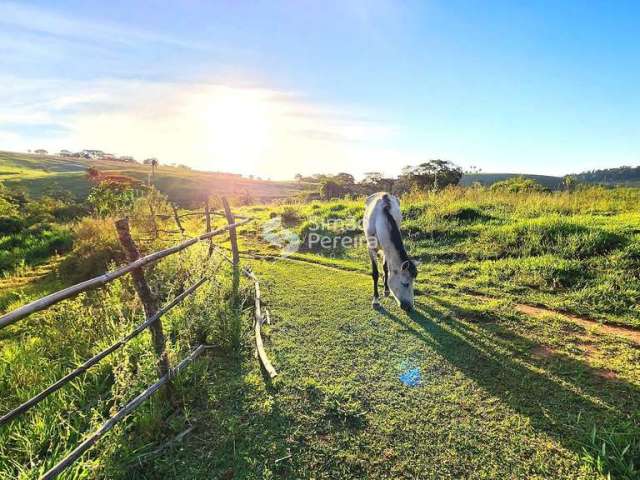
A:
(149, 303)
(177, 218)
(152, 211)
(207, 217)
(232, 232)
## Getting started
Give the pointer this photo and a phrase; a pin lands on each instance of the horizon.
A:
(277, 89)
(251, 176)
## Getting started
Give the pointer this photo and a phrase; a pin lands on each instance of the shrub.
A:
(10, 224)
(290, 216)
(413, 211)
(33, 245)
(518, 185)
(466, 214)
(95, 247)
(320, 239)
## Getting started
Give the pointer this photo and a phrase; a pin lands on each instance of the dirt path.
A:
(626, 332)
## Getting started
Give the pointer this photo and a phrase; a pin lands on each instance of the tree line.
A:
(624, 174)
(432, 175)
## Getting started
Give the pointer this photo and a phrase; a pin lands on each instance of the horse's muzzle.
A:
(406, 306)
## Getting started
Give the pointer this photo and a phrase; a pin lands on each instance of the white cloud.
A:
(249, 130)
(44, 21)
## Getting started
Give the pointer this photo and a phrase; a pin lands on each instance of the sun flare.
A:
(238, 125)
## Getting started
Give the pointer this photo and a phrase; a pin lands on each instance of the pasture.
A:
(40, 175)
(520, 360)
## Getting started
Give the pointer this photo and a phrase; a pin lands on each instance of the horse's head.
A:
(401, 283)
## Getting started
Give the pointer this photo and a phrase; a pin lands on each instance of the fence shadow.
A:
(235, 436)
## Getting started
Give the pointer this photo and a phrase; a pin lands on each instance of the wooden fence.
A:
(153, 322)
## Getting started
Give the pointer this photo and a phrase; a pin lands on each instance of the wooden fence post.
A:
(207, 217)
(177, 218)
(149, 303)
(235, 279)
(232, 232)
(152, 211)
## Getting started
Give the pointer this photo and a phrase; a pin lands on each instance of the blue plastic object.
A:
(411, 377)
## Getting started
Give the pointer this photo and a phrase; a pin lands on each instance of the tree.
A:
(331, 189)
(432, 175)
(376, 182)
(345, 179)
(93, 174)
(154, 164)
(298, 177)
(569, 182)
(108, 199)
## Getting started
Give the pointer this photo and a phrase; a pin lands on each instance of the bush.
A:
(466, 214)
(66, 213)
(290, 216)
(95, 247)
(9, 225)
(33, 245)
(518, 185)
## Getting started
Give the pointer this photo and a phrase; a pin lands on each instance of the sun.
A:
(237, 125)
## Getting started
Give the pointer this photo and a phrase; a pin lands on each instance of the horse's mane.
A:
(396, 237)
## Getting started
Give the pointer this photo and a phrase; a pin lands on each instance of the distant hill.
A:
(554, 183)
(611, 176)
(40, 174)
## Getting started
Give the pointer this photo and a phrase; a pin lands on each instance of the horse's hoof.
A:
(387, 293)
(375, 303)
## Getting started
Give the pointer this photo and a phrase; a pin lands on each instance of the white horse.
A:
(381, 225)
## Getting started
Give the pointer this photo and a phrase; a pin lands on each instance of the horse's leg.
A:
(385, 276)
(374, 274)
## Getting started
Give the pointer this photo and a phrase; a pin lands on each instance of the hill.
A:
(611, 176)
(486, 179)
(40, 174)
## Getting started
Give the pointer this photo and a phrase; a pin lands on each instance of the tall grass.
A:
(574, 250)
(33, 245)
(42, 348)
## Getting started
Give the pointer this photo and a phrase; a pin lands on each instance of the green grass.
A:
(33, 246)
(501, 394)
(43, 348)
(574, 251)
(489, 405)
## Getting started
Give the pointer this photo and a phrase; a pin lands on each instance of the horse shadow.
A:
(561, 396)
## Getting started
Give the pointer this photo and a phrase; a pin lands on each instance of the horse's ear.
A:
(410, 266)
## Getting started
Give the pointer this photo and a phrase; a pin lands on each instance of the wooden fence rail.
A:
(69, 292)
(153, 316)
(122, 413)
(99, 356)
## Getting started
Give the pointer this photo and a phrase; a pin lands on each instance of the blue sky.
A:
(276, 88)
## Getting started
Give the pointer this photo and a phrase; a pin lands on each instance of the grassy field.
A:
(41, 174)
(499, 395)
(573, 251)
(470, 385)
